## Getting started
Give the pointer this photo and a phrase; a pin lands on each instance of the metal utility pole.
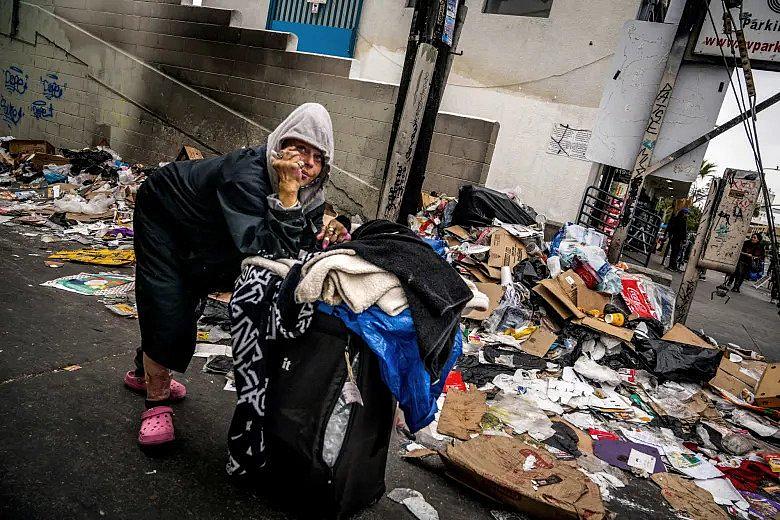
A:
(657, 113)
(692, 270)
(434, 33)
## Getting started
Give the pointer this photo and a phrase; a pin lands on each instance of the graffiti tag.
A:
(11, 114)
(15, 80)
(51, 87)
(40, 110)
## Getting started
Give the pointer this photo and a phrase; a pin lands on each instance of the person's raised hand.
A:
(288, 165)
(333, 232)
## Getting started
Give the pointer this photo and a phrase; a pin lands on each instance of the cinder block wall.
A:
(249, 71)
(78, 111)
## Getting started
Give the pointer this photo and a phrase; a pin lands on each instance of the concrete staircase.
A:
(201, 78)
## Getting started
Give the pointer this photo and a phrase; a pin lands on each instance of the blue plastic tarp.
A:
(394, 341)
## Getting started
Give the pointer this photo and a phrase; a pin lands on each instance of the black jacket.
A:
(220, 209)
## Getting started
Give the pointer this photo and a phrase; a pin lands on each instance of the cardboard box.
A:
(189, 153)
(750, 378)
(28, 146)
(563, 295)
(505, 250)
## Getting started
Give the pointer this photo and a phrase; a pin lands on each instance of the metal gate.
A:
(322, 26)
(601, 210)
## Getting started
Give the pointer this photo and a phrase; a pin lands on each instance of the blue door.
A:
(330, 30)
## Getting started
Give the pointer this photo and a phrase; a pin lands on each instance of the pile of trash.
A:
(84, 197)
(574, 380)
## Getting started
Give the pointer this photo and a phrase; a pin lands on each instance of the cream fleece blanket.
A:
(340, 276)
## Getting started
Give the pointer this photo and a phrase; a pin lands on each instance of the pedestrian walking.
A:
(752, 254)
(194, 223)
(677, 230)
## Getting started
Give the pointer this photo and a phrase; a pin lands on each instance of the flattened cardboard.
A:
(539, 342)
(458, 232)
(478, 274)
(462, 412)
(610, 330)
(554, 303)
(687, 498)
(682, 334)
(505, 250)
(494, 466)
(39, 160)
(494, 292)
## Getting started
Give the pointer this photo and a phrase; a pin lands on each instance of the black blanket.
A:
(435, 291)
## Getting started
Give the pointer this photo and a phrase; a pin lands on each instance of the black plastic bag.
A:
(530, 271)
(478, 206)
(672, 361)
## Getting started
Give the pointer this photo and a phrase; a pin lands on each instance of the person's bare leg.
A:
(158, 381)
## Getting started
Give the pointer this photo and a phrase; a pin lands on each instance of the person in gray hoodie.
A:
(195, 221)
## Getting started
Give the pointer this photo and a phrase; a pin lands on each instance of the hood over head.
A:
(310, 123)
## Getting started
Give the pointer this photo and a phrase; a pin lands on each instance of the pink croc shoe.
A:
(156, 426)
(137, 384)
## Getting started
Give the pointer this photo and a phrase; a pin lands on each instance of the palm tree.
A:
(707, 169)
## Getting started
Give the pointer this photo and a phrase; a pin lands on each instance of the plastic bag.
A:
(648, 299)
(522, 415)
(70, 203)
(678, 362)
(511, 312)
(336, 429)
(478, 206)
(394, 341)
(530, 271)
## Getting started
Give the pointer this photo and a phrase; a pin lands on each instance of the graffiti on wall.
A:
(41, 109)
(15, 80)
(52, 89)
(12, 114)
(732, 220)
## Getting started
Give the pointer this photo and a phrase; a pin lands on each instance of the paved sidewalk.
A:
(748, 319)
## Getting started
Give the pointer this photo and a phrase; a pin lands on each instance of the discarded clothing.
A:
(565, 439)
(749, 475)
(340, 276)
(394, 341)
(260, 310)
(436, 293)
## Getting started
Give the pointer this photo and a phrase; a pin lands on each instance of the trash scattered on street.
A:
(101, 284)
(574, 379)
(414, 502)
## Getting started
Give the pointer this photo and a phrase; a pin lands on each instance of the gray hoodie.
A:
(310, 123)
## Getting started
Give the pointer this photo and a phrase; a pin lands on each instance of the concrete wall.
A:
(85, 112)
(255, 73)
(526, 73)
(223, 89)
